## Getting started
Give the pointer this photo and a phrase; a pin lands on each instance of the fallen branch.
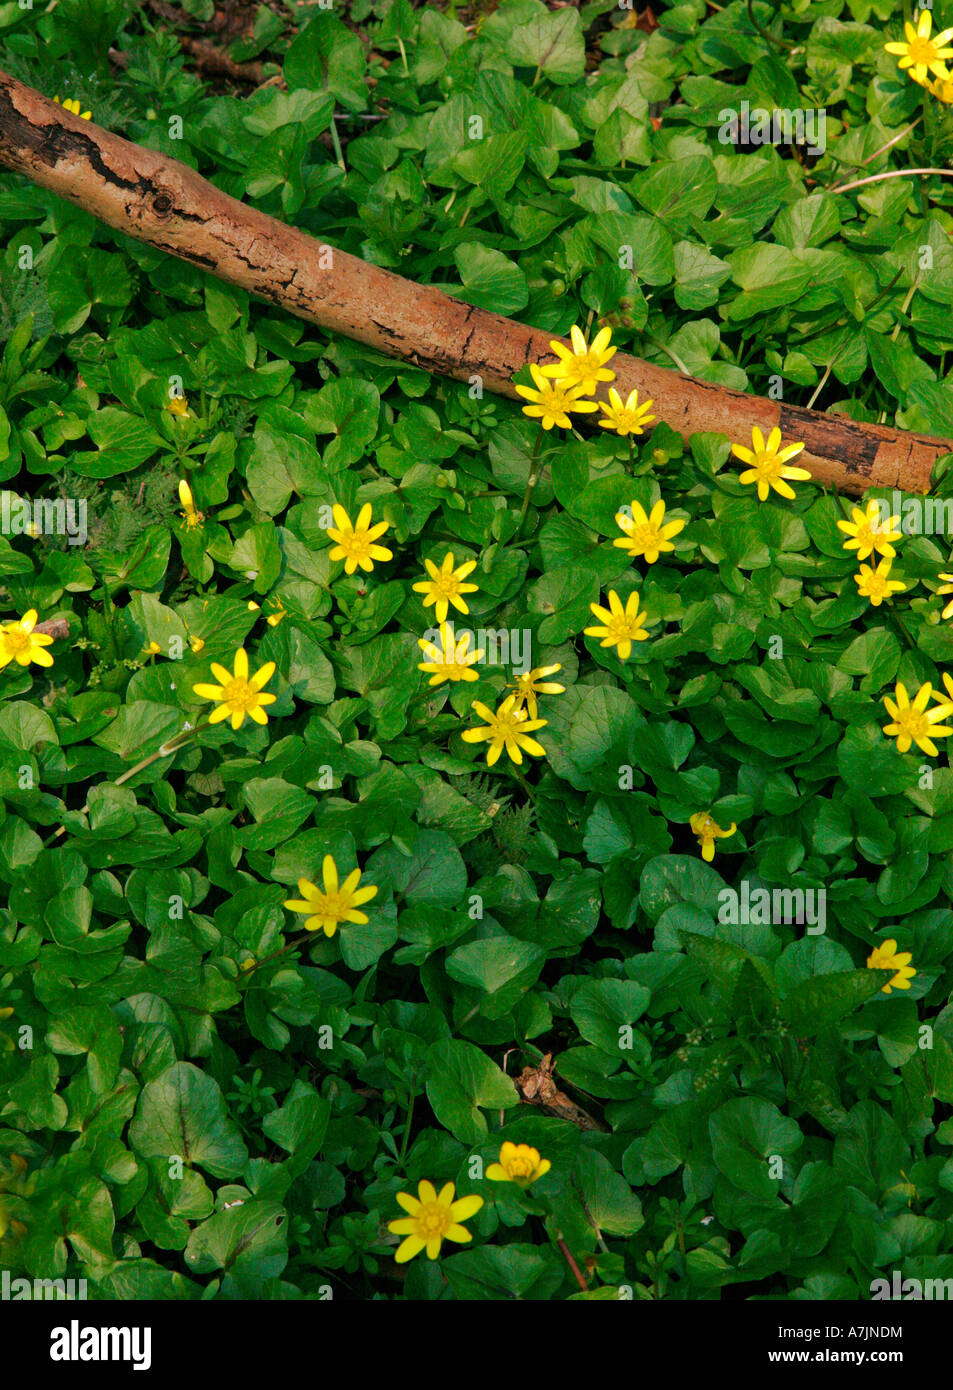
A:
(163, 202)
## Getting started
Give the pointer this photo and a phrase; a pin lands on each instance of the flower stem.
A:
(173, 746)
(297, 941)
(531, 482)
(568, 1256)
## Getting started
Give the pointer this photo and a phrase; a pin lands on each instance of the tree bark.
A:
(165, 203)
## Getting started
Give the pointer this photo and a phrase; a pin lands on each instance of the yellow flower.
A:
(942, 88)
(445, 586)
(946, 588)
(627, 418)
(518, 1163)
(585, 365)
(948, 682)
(875, 584)
(531, 683)
(646, 534)
(868, 533)
(768, 462)
(552, 402)
(71, 104)
(189, 515)
(451, 661)
(886, 957)
(178, 406)
(355, 543)
(338, 903)
(153, 649)
(707, 830)
(238, 695)
(196, 643)
(252, 606)
(622, 626)
(507, 728)
(921, 53)
(19, 643)
(913, 722)
(432, 1219)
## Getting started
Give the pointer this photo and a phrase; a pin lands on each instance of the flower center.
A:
(433, 1219)
(621, 627)
(916, 725)
(520, 1167)
(357, 544)
(446, 585)
(768, 465)
(645, 536)
(922, 51)
(16, 640)
(239, 694)
(332, 905)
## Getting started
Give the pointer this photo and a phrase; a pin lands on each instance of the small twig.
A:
(883, 148)
(571, 1262)
(172, 746)
(891, 174)
(820, 386)
(297, 941)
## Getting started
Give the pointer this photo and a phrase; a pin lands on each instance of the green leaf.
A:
(460, 1080)
(182, 1114)
(819, 1003)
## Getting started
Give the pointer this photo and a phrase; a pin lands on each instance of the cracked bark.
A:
(165, 203)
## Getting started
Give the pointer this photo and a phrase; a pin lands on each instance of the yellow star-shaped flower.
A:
(913, 722)
(336, 903)
(870, 532)
(533, 683)
(451, 661)
(769, 464)
(886, 957)
(237, 694)
(584, 365)
(355, 541)
(875, 584)
(509, 728)
(551, 402)
(519, 1163)
(620, 626)
(445, 586)
(625, 417)
(19, 643)
(921, 53)
(432, 1219)
(646, 533)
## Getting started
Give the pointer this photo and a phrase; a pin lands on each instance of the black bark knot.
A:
(162, 205)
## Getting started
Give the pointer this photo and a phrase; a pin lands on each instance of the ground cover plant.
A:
(457, 849)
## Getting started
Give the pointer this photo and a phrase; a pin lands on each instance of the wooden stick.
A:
(163, 202)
